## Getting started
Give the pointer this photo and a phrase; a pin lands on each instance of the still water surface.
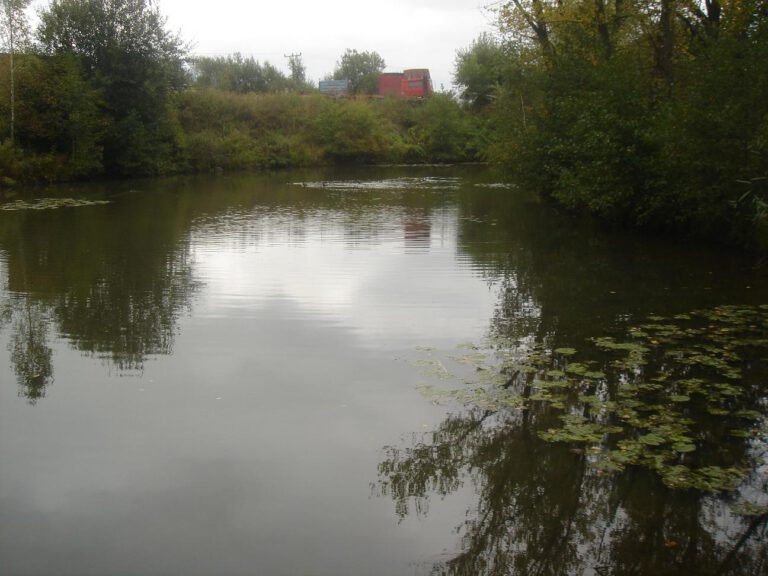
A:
(219, 376)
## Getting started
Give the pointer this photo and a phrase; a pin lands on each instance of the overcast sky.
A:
(406, 33)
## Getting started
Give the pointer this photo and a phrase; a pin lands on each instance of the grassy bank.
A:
(66, 130)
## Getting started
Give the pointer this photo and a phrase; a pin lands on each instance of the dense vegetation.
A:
(645, 112)
(362, 69)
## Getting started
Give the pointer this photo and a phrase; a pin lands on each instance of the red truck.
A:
(414, 83)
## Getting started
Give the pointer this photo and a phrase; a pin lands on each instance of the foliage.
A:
(64, 121)
(480, 71)
(627, 110)
(105, 96)
(62, 114)
(14, 29)
(50, 204)
(229, 131)
(237, 74)
(673, 397)
(136, 64)
(351, 132)
(362, 69)
(14, 32)
(445, 132)
(59, 120)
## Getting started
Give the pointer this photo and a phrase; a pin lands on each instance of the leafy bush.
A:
(631, 113)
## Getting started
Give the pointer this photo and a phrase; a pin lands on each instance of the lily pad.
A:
(50, 204)
(638, 409)
(565, 351)
(651, 439)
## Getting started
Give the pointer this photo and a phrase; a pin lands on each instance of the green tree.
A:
(362, 69)
(447, 132)
(128, 54)
(59, 120)
(480, 71)
(234, 73)
(627, 110)
(14, 30)
(352, 131)
(60, 114)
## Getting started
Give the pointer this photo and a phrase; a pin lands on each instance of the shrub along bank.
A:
(650, 114)
(225, 130)
(65, 130)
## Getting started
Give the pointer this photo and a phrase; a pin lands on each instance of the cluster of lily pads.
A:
(50, 204)
(404, 183)
(686, 396)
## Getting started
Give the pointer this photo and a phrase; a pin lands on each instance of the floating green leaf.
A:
(565, 351)
(50, 204)
(631, 401)
(611, 344)
(577, 368)
(750, 414)
(651, 439)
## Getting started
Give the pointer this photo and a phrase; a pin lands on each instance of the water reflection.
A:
(276, 316)
(31, 353)
(381, 261)
(111, 281)
(542, 510)
(247, 337)
(564, 280)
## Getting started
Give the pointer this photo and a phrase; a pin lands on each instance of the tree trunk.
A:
(13, 83)
(665, 44)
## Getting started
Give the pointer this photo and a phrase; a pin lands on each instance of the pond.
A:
(380, 371)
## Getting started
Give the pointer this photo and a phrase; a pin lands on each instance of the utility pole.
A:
(13, 83)
(298, 70)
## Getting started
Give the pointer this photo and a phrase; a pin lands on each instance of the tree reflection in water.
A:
(111, 282)
(119, 320)
(31, 354)
(545, 508)
(541, 509)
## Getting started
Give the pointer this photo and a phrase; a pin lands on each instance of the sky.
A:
(406, 33)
